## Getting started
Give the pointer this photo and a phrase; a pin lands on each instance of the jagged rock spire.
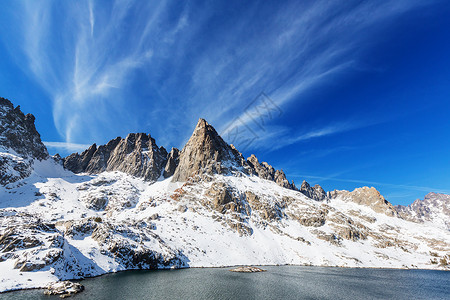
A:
(137, 155)
(266, 171)
(206, 152)
(316, 193)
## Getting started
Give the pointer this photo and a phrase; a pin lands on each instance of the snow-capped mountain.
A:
(434, 208)
(130, 204)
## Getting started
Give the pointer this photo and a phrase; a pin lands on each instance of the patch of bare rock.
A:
(64, 289)
(248, 269)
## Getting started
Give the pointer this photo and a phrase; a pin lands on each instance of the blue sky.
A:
(361, 88)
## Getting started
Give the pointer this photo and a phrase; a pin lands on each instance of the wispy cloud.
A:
(81, 55)
(69, 147)
(375, 183)
(285, 136)
(182, 61)
(320, 51)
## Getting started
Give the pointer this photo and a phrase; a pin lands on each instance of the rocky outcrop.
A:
(13, 168)
(221, 195)
(124, 243)
(93, 160)
(265, 171)
(64, 289)
(248, 270)
(366, 196)
(20, 143)
(137, 155)
(207, 153)
(18, 132)
(316, 192)
(310, 218)
(268, 211)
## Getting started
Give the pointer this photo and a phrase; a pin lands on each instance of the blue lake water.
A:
(279, 282)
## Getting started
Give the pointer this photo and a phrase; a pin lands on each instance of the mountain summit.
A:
(206, 153)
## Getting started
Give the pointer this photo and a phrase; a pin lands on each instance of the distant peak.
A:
(305, 185)
(316, 192)
(368, 196)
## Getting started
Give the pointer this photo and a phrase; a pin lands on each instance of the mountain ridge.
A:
(204, 153)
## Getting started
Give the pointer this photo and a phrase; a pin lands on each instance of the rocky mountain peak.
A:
(20, 143)
(18, 132)
(316, 193)
(368, 196)
(434, 207)
(206, 153)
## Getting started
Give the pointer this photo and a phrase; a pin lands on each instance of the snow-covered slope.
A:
(57, 225)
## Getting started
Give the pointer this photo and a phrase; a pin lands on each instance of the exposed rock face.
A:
(27, 234)
(280, 179)
(206, 153)
(13, 168)
(113, 240)
(247, 270)
(265, 171)
(366, 196)
(316, 193)
(37, 246)
(18, 132)
(311, 218)
(221, 195)
(172, 162)
(267, 211)
(434, 207)
(20, 143)
(64, 289)
(137, 155)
